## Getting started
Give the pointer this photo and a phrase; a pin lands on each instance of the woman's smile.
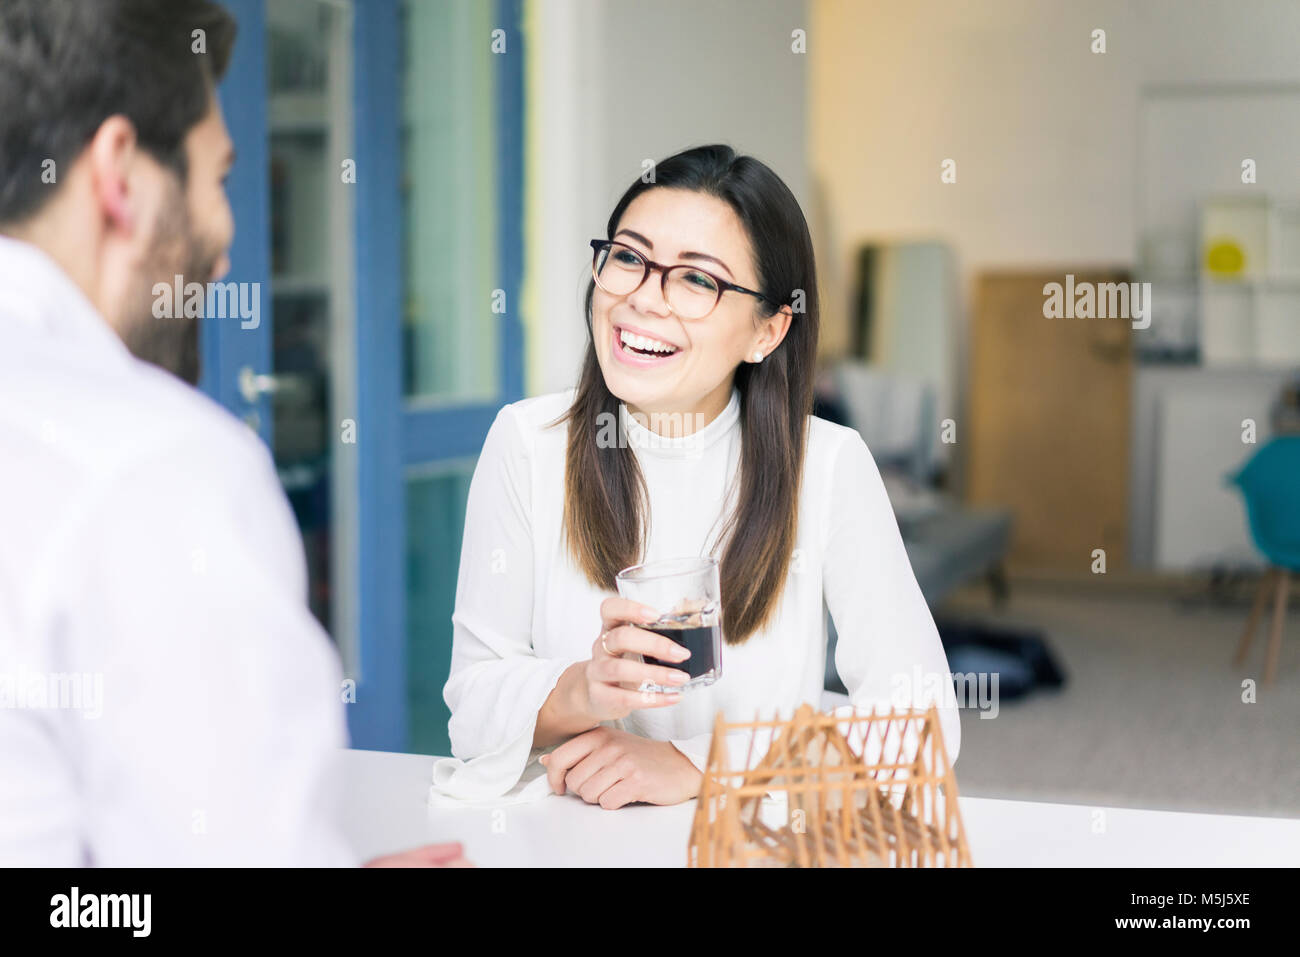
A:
(636, 348)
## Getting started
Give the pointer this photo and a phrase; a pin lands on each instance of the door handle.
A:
(254, 385)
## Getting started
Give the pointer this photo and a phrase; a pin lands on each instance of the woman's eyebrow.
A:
(714, 259)
(638, 237)
(688, 255)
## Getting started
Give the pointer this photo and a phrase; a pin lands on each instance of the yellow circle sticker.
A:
(1225, 257)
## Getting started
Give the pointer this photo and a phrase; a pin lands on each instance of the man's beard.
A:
(172, 343)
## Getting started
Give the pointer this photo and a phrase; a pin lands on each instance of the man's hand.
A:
(612, 768)
(431, 855)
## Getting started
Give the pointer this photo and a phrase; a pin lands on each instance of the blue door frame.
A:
(227, 347)
(391, 436)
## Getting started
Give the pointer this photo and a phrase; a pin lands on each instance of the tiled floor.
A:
(1151, 714)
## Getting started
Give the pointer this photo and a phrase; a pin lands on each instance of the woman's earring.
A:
(758, 357)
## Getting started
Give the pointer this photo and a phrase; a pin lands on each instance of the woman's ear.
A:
(773, 330)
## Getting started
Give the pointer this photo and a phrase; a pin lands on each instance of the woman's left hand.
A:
(611, 768)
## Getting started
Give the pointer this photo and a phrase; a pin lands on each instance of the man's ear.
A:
(111, 153)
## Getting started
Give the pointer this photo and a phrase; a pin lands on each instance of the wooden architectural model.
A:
(861, 790)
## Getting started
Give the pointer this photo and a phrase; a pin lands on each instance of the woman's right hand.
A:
(613, 675)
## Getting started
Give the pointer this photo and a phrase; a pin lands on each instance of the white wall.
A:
(1042, 129)
(614, 82)
(1044, 133)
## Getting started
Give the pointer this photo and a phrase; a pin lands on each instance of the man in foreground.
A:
(150, 568)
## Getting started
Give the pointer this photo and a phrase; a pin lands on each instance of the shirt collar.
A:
(39, 294)
(646, 441)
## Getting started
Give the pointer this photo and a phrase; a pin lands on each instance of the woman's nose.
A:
(649, 298)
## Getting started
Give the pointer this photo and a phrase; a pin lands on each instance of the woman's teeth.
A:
(643, 345)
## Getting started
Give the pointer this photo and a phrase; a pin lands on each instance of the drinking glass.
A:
(685, 591)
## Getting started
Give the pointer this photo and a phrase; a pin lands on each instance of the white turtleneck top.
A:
(524, 612)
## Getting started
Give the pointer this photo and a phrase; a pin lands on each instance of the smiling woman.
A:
(703, 207)
(717, 354)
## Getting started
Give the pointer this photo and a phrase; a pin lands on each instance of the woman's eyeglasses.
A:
(691, 292)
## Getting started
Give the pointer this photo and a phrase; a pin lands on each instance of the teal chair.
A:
(1270, 485)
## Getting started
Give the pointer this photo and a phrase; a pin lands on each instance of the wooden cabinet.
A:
(1049, 421)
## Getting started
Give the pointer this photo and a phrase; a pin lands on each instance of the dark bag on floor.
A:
(1021, 659)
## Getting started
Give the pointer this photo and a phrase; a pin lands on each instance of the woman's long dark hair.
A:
(606, 508)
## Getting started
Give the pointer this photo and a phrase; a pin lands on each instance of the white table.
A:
(386, 810)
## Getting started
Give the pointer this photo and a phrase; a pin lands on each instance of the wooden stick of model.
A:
(862, 790)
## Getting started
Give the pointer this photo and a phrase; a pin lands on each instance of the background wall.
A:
(1044, 140)
(1045, 135)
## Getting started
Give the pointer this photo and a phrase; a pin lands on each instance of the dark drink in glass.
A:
(685, 591)
(699, 640)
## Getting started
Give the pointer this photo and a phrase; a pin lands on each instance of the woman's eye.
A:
(625, 258)
(702, 280)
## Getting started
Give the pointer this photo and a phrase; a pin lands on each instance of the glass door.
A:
(461, 179)
(291, 375)
(288, 100)
(312, 385)
(378, 205)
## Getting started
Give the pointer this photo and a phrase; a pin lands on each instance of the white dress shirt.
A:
(524, 612)
(147, 552)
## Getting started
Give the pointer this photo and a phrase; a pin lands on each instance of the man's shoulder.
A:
(177, 418)
(99, 423)
(105, 453)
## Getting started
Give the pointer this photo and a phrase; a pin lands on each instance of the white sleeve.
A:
(222, 718)
(696, 748)
(888, 650)
(497, 684)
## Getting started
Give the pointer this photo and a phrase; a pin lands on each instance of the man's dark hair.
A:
(68, 65)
